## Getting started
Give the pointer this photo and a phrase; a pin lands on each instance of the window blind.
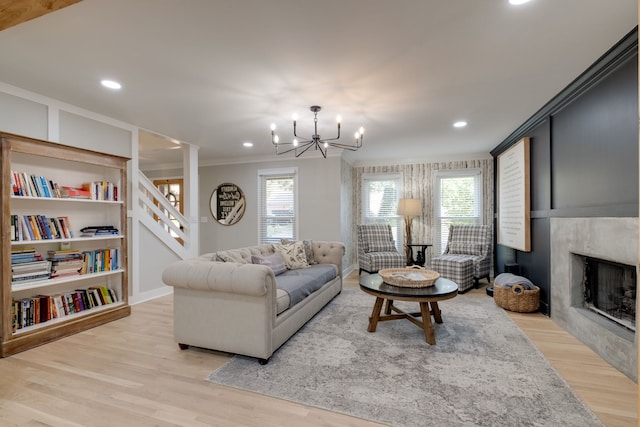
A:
(381, 193)
(278, 205)
(458, 201)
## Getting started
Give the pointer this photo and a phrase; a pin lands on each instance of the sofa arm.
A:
(329, 253)
(246, 279)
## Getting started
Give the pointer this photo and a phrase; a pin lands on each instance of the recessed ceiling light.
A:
(248, 144)
(459, 124)
(518, 2)
(111, 84)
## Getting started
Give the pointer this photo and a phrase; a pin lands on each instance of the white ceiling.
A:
(216, 73)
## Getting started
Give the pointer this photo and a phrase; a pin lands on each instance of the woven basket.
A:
(517, 298)
(416, 277)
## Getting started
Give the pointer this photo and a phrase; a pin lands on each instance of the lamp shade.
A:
(409, 207)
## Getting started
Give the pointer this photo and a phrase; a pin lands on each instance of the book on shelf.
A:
(27, 267)
(25, 255)
(74, 193)
(99, 230)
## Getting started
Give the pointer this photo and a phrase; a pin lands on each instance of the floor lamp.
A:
(409, 208)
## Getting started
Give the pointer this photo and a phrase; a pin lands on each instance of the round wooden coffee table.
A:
(428, 298)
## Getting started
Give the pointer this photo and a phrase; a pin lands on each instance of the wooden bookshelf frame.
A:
(14, 342)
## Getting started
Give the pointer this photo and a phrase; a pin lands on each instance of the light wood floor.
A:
(131, 372)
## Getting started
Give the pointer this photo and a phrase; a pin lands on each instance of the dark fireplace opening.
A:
(610, 290)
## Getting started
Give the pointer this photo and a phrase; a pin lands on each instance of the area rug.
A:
(483, 371)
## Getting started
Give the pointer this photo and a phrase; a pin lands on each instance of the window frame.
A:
(440, 237)
(263, 176)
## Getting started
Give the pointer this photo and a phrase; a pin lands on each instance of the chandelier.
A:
(299, 145)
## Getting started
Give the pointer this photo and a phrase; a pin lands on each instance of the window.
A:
(380, 194)
(458, 201)
(172, 190)
(277, 192)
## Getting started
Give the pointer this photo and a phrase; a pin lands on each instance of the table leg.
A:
(435, 310)
(387, 306)
(429, 332)
(375, 315)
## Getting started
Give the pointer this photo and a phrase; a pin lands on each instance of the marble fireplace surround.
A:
(613, 239)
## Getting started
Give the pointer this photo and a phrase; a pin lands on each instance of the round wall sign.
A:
(227, 204)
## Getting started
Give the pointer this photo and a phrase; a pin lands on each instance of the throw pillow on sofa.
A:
(275, 261)
(242, 256)
(293, 254)
(308, 249)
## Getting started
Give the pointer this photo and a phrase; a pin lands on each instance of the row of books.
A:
(28, 265)
(39, 227)
(24, 184)
(42, 308)
(100, 260)
(101, 190)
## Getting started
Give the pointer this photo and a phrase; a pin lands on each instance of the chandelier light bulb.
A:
(326, 144)
(361, 131)
(276, 139)
(294, 117)
(273, 126)
(357, 135)
(339, 118)
(295, 142)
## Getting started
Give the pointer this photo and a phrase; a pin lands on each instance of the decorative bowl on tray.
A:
(410, 277)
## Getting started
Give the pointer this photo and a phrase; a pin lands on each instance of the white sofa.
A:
(236, 307)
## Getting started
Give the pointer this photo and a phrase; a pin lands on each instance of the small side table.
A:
(420, 253)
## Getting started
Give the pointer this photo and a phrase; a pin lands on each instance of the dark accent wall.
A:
(583, 159)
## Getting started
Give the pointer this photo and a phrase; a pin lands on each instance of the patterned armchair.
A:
(467, 258)
(377, 250)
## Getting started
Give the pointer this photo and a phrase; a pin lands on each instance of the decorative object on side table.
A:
(421, 253)
(409, 208)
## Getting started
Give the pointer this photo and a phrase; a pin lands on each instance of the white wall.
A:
(319, 202)
(152, 258)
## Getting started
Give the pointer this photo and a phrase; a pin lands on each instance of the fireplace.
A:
(593, 285)
(610, 290)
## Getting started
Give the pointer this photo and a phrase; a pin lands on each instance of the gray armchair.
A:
(467, 257)
(377, 250)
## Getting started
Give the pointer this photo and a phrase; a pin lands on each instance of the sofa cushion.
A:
(275, 261)
(283, 301)
(308, 249)
(293, 255)
(301, 283)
